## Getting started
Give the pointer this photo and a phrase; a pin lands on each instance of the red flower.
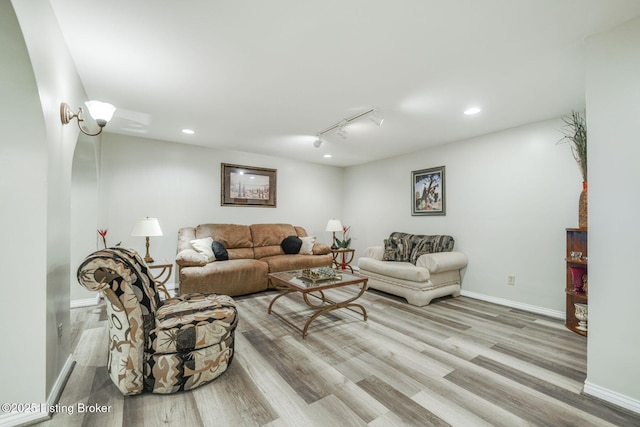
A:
(103, 233)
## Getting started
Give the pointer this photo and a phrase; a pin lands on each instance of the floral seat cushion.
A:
(191, 322)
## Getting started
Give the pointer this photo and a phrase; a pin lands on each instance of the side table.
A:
(162, 277)
(346, 257)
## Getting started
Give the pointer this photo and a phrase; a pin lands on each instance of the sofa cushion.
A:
(219, 251)
(279, 263)
(307, 245)
(291, 244)
(396, 249)
(232, 236)
(398, 270)
(421, 247)
(192, 321)
(268, 237)
(233, 277)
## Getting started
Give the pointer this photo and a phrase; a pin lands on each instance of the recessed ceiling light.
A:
(188, 131)
(326, 156)
(471, 111)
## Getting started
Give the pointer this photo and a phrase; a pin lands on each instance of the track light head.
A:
(342, 132)
(375, 118)
(318, 142)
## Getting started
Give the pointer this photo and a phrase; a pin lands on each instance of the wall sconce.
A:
(100, 111)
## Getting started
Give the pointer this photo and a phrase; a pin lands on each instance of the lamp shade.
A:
(334, 225)
(145, 227)
(100, 111)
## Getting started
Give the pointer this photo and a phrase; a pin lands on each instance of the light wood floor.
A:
(457, 361)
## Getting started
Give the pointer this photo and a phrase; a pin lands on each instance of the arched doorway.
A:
(84, 213)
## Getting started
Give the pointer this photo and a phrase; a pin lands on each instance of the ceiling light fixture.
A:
(342, 132)
(188, 131)
(100, 111)
(471, 111)
(375, 118)
(340, 126)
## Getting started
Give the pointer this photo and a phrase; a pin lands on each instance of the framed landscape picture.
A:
(247, 186)
(428, 191)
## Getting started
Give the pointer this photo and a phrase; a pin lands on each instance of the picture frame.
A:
(428, 192)
(247, 186)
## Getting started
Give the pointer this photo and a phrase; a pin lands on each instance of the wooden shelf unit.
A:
(576, 242)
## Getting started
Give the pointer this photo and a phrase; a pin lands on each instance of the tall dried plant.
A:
(575, 131)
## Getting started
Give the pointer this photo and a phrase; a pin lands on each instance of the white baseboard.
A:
(591, 389)
(40, 412)
(612, 397)
(86, 302)
(513, 304)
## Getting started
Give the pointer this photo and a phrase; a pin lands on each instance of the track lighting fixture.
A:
(375, 118)
(100, 111)
(341, 125)
(342, 132)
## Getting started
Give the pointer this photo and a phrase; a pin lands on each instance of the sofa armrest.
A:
(442, 261)
(375, 252)
(189, 258)
(185, 236)
(321, 249)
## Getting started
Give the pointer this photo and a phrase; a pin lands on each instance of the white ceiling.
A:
(267, 76)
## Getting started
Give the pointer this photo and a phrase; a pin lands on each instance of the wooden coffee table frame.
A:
(285, 282)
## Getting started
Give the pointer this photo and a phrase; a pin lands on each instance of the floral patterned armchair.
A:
(154, 345)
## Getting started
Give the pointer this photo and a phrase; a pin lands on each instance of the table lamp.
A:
(334, 225)
(146, 227)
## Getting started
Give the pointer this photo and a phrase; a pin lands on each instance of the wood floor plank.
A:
(583, 403)
(232, 399)
(157, 409)
(456, 361)
(536, 359)
(406, 409)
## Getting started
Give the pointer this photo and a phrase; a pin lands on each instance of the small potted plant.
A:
(346, 241)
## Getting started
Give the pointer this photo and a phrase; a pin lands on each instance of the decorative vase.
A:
(578, 277)
(582, 206)
(581, 315)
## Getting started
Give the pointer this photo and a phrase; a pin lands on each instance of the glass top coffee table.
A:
(293, 281)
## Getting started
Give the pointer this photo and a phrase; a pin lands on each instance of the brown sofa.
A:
(254, 251)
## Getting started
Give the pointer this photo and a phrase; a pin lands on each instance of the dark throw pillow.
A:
(219, 251)
(291, 245)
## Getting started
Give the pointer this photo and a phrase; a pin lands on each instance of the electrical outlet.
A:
(60, 330)
(511, 280)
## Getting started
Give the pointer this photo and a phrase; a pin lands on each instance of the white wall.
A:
(180, 185)
(84, 213)
(37, 196)
(57, 81)
(509, 198)
(613, 106)
(23, 219)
